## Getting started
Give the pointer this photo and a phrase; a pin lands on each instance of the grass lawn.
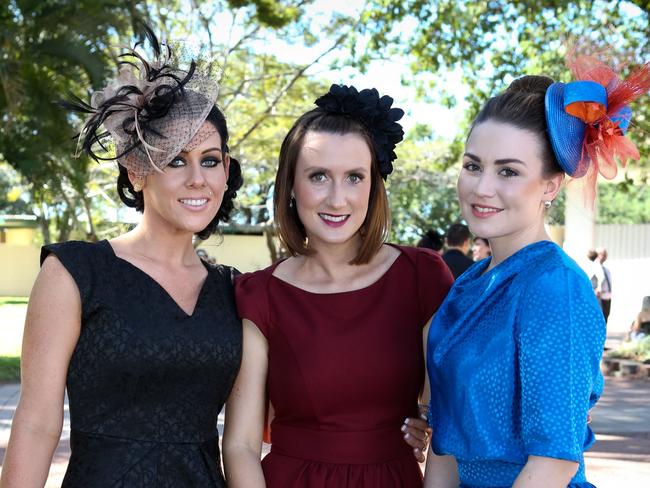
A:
(12, 320)
(13, 301)
(9, 369)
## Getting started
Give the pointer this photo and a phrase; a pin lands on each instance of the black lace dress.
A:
(146, 381)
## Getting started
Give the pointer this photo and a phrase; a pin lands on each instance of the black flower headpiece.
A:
(374, 113)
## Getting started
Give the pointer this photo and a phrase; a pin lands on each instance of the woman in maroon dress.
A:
(333, 336)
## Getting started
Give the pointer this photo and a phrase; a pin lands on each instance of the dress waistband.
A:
(197, 440)
(105, 461)
(340, 447)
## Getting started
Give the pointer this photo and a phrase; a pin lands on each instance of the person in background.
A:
(593, 269)
(431, 240)
(480, 249)
(604, 291)
(641, 326)
(457, 243)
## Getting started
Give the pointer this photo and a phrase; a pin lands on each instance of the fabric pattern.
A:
(146, 381)
(513, 360)
(345, 370)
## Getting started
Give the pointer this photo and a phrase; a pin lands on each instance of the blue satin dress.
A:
(513, 359)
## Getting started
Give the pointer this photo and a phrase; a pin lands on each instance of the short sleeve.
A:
(433, 282)
(251, 294)
(76, 257)
(560, 339)
(234, 273)
(230, 273)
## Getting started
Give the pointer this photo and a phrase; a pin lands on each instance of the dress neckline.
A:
(480, 271)
(375, 283)
(109, 248)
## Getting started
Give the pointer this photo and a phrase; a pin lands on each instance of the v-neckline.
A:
(159, 286)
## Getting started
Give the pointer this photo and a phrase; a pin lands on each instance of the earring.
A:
(292, 202)
(137, 185)
(547, 204)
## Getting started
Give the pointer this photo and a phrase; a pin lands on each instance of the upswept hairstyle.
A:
(522, 106)
(376, 226)
(135, 199)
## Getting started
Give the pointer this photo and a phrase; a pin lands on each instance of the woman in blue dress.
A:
(513, 353)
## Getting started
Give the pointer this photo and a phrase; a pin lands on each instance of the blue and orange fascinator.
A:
(587, 119)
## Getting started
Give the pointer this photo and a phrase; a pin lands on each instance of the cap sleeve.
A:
(77, 258)
(560, 339)
(229, 273)
(251, 294)
(434, 280)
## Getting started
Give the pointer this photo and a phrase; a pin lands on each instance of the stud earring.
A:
(547, 204)
(137, 185)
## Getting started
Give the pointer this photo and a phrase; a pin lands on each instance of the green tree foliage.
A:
(494, 41)
(261, 95)
(491, 43)
(421, 190)
(11, 191)
(269, 12)
(54, 48)
(626, 202)
(50, 48)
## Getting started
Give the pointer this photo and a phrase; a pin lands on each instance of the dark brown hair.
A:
(457, 235)
(522, 106)
(290, 229)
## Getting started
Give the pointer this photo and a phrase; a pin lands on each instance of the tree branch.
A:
(298, 74)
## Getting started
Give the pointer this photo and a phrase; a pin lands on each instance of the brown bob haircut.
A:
(374, 230)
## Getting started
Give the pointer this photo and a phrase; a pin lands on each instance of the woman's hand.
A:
(417, 433)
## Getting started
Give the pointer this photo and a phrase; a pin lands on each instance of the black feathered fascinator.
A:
(374, 113)
(151, 110)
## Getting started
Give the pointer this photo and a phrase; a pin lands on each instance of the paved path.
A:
(621, 420)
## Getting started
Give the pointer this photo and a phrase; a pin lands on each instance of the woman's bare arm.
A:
(416, 430)
(545, 472)
(441, 471)
(52, 329)
(242, 439)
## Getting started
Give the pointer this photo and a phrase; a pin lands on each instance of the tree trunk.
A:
(44, 223)
(63, 225)
(91, 235)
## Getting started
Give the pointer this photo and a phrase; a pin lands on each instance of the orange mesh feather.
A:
(604, 143)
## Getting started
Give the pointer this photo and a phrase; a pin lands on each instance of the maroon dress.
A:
(345, 370)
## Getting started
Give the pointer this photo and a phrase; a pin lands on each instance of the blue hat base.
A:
(565, 131)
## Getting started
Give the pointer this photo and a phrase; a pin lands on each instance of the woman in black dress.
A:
(143, 334)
